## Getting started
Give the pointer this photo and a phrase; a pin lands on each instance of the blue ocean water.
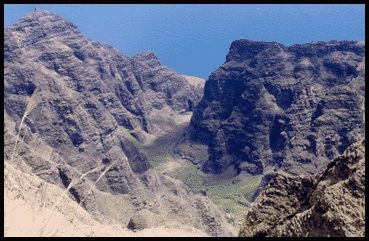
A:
(194, 39)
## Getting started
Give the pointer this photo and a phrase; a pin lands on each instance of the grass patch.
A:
(158, 159)
(188, 175)
(231, 197)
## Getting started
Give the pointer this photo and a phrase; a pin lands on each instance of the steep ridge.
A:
(77, 114)
(292, 108)
(331, 203)
(97, 127)
(32, 199)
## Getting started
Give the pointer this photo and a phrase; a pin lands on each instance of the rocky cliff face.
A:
(77, 113)
(86, 101)
(293, 107)
(331, 203)
(43, 47)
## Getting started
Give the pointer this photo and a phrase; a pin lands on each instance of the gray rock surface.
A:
(142, 219)
(77, 114)
(331, 203)
(294, 107)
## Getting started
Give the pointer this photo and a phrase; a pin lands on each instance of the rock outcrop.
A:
(294, 107)
(331, 203)
(77, 114)
(30, 210)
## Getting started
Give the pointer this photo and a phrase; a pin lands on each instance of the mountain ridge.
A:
(113, 134)
(269, 103)
(78, 114)
(329, 204)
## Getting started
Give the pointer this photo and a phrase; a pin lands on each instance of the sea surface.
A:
(194, 39)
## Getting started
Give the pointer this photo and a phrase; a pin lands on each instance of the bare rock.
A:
(331, 203)
(78, 114)
(293, 107)
(142, 219)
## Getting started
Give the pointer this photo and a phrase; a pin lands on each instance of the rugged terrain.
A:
(80, 115)
(101, 143)
(293, 108)
(30, 210)
(331, 203)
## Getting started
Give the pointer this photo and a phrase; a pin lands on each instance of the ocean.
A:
(193, 39)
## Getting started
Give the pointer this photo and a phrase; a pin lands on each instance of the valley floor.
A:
(229, 194)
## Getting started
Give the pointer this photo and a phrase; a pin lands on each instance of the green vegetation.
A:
(231, 197)
(157, 155)
(158, 159)
(188, 175)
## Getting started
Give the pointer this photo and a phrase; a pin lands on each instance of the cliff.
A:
(329, 204)
(78, 114)
(293, 108)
